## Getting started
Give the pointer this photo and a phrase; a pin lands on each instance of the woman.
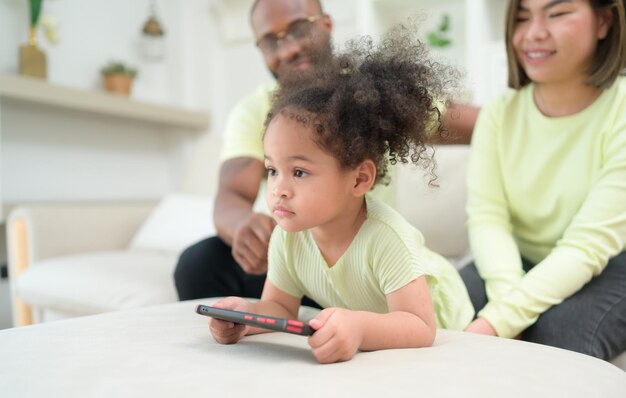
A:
(547, 182)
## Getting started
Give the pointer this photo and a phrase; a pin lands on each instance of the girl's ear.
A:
(365, 178)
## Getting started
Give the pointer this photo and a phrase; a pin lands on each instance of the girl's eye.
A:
(270, 172)
(299, 173)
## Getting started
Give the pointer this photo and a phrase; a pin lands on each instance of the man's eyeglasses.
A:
(296, 31)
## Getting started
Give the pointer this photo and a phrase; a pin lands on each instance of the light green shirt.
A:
(386, 254)
(243, 136)
(552, 190)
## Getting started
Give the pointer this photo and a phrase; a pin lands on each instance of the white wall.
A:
(51, 154)
(211, 58)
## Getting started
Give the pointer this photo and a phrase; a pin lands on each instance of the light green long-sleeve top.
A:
(552, 190)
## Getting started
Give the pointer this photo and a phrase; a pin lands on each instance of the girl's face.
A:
(555, 40)
(306, 187)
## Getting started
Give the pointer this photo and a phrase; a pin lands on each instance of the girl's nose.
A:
(281, 189)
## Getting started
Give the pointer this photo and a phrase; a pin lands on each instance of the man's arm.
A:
(459, 121)
(246, 232)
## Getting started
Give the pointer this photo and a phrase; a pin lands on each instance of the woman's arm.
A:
(495, 251)
(595, 234)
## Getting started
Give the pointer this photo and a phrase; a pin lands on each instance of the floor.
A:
(5, 305)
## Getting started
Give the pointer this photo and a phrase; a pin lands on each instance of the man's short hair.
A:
(256, 2)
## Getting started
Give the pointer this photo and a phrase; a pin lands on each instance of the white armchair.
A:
(73, 259)
(41, 235)
(68, 260)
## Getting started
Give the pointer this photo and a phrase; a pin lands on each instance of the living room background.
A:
(210, 62)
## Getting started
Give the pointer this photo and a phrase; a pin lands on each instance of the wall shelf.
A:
(20, 88)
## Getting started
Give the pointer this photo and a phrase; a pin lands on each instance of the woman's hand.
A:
(338, 335)
(226, 332)
(481, 326)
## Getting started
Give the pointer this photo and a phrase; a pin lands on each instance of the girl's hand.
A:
(338, 335)
(481, 326)
(226, 332)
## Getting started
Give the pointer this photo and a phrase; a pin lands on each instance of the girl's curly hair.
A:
(378, 102)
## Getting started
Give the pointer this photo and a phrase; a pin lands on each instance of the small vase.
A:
(32, 59)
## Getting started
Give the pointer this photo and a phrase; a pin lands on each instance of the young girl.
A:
(547, 182)
(329, 138)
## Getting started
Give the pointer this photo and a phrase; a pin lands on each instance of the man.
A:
(292, 35)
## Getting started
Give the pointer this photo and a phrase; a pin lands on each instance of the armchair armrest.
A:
(51, 230)
(37, 232)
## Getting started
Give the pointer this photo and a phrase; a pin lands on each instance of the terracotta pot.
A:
(120, 84)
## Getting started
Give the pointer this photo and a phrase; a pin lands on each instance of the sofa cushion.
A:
(178, 221)
(97, 282)
(438, 211)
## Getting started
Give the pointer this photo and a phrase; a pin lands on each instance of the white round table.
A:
(167, 351)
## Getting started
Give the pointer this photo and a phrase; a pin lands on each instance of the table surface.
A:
(168, 351)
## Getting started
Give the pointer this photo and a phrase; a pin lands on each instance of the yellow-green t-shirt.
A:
(386, 254)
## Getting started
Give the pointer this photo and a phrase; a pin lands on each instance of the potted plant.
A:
(118, 77)
(32, 60)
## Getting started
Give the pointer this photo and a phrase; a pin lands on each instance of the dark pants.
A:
(208, 269)
(592, 321)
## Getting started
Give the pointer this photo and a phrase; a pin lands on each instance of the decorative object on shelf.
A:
(440, 38)
(32, 59)
(152, 37)
(118, 77)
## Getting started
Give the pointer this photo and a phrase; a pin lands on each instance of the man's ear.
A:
(327, 22)
(365, 178)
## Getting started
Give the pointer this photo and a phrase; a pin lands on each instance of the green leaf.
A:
(35, 10)
(118, 68)
(435, 41)
(445, 23)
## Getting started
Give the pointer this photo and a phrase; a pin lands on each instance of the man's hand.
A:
(251, 241)
(247, 233)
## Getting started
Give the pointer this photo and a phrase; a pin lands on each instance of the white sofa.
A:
(68, 260)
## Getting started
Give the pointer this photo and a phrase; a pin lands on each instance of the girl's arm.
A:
(410, 322)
